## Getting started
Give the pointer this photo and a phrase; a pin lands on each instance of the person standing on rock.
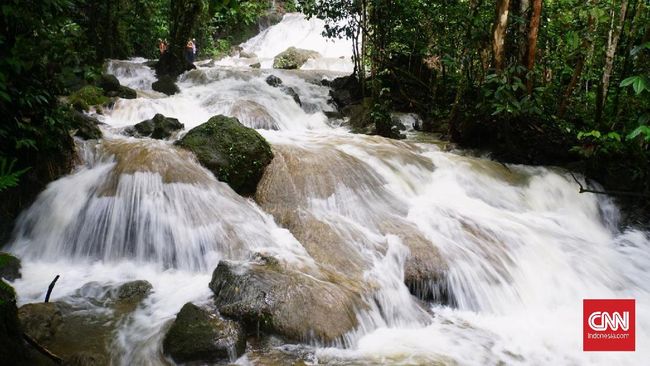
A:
(189, 51)
(162, 46)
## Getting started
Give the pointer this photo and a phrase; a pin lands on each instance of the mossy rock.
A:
(234, 153)
(12, 347)
(293, 58)
(88, 96)
(9, 267)
(199, 336)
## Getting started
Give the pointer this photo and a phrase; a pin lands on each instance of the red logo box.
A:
(608, 325)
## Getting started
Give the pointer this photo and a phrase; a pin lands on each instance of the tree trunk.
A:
(532, 42)
(499, 34)
(612, 43)
(524, 8)
(580, 63)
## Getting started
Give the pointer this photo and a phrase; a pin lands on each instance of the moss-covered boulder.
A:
(159, 127)
(85, 126)
(166, 85)
(12, 347)
(88, 96)
(199, 336)
(293, 58)
(265, 296)
(235, 154)
(9, 267)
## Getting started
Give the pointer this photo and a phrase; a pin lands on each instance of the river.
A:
(518, 246)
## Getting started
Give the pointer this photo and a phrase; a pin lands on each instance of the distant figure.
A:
(189, 51)
(162, 46)
(194, 48)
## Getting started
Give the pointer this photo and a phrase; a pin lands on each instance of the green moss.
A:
(235, 154)
(88, 96)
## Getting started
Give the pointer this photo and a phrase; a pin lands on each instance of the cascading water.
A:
(512, 249)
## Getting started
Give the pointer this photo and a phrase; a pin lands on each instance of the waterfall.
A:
(515, 249)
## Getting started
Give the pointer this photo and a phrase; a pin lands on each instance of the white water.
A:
(522, 247)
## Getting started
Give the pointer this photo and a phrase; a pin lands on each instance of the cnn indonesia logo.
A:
(608, 325)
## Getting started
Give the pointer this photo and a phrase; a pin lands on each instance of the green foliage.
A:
(8, 176)
(87, 96)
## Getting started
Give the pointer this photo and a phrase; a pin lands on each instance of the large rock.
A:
(198, 336)
(41, 321)
(86, 126)
(12, 347)
(159, 127)
(86, 97)
(253, 115)
(166, 85)
(235, 154)
(112, 87)
(345, 91)
(9, 267)
(293, 58)
(299, 307)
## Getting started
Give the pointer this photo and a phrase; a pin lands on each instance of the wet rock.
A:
(112, 87)
(134, 291)
(235, 154)
(265, 296)
(256, 65)
(333, 115)
(345, 91)
(292, 93)
(293, 58)
(360, 116)
(244, 54)
(41, 321)
(159, 127)
(199, 336)
(274, 81)
(86, 126)
(12, 347)
(166, 85)
(253, 115)
(86, 359)
(9, 267)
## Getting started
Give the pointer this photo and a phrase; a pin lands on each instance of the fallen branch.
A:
(56, 359)
(50, 288)
(609, 193)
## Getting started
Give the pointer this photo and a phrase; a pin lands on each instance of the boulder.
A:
(256, 65)
(345, 91)
(159, 127)
(274, 81)
(166, 85)
(253, 115)
(299, 307)
(112, 87)
(293, 58)
(244, 54)
(41, 321)
(12, 347)
(199, 336)
(134, 291)
(235, 154)
(86, 126)
(9, 267)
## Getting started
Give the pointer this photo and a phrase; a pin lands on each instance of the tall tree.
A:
(499, 34)
(532, 42)
(613, 37)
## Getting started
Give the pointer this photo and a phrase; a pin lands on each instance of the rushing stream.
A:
(518, 247)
